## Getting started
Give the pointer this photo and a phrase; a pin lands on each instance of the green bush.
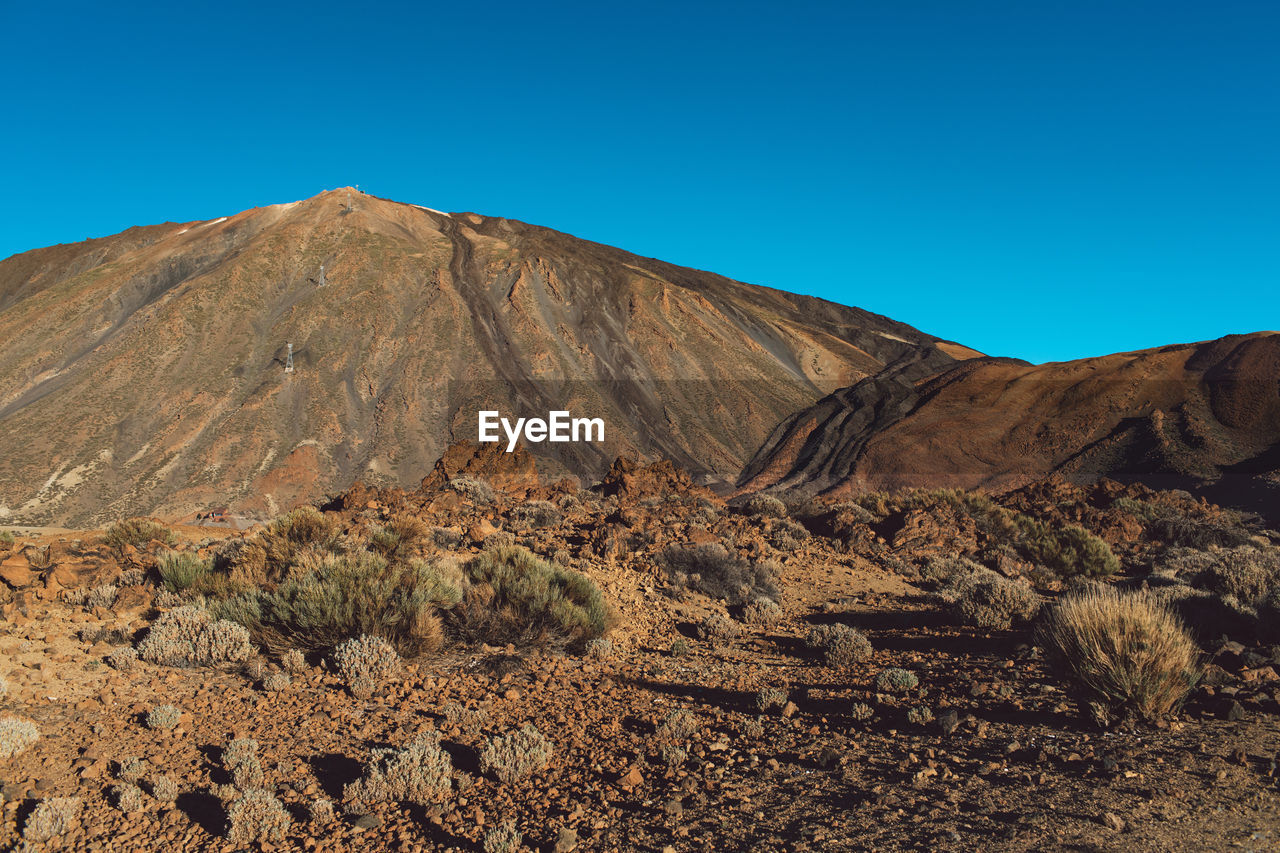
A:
(764, 505)
(6, 537)
(1125, 652)
(271, 554)
(518, 595)
(343, 596)
(139, 533)
(896, 680)
(182, 570)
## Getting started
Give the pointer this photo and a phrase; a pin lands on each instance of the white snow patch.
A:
(430, 210)
(184, 230)
(216, 221)
(892, 337)
(285, 205)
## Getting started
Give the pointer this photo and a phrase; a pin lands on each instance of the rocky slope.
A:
(144, 373)
(1203, 416)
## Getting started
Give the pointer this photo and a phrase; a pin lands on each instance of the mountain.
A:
(145, 373)
(1202, 416)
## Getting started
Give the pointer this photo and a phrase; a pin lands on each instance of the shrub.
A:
(239, 751)
(520, 596)
(341, 596)
(248, 775)
(269, 555)
(131, 770)
(769, 698)
(993, 602)
(419, 773)
(861, 711)
(163, 717)
(764, 612)
(1069, 551)
(4, 687)
(679, 647)
(712, 570)
(503, 838)
(761, 504)
(294, 661)
(477, 491)
(718, 629)
(129, 798)
(275, 682)
(182, 570)
(51, 818)
(786, 535)
(468, 721)
(138, 533)
(1126, 652)
(600, 648)
(896, 680)
(1232, 590)
(321, 812)
(102, 596)
(516, 755)
(257, 816)
(1196, 532)
(6, 537)
(164, 788)
(839, 645)
(16, 736)
(678, 727)
(366, 662)
(920, 715)
(124, 658)
(190, 636)
(535, 514)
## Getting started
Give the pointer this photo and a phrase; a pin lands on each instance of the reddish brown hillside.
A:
(1197, 415)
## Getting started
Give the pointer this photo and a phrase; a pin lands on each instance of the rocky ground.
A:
(1003, 757)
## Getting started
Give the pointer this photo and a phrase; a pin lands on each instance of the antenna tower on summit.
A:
(288, 360)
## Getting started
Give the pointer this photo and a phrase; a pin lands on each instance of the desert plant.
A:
(518, 595)
(342, 596)
(1173, 529)
(51, 818)
(248, 775)
(896, 680)
(769, 698)
(764, 612)
(920, 715)
(182, 570)
(600, 648)
(257, 816)
(718, 629)
(321, 811)
(1125, 652)
(163, 717)
(6, 538)
(710, 569)
(4, 687)
(761, 504)
(272, 554)
(861, 711)
(678, 727)
(679, 647)
(16, 736)
(839, 644)
(503, 838)
(191, 636)
(131, 770)
(536, 514)
(239, 751)
(129, 798)
(137, 533)
(365, 663)
(516, 755)
(293, 661)
(275, 682)
(420, 773)
(477, 491)
(124, 658)
(103, 595)
(468, 721)
(164, 788)
(988, 600)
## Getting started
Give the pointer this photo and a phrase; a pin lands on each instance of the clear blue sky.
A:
(1041, 179)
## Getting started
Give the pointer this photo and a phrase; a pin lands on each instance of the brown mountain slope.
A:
(144, 373)
(1204, 416)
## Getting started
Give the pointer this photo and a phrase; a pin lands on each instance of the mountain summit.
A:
(146, 372)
